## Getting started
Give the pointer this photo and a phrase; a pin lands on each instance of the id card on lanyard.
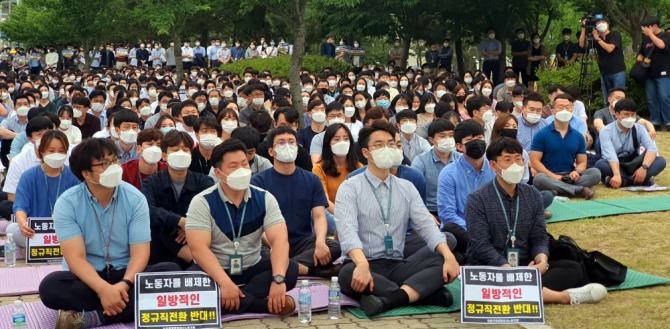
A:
(386, 216)
(235, 265)
(512, 253)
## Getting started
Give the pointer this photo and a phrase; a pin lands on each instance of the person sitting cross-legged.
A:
(373, 211)
(628, 152)
(558, 156)
(303, 203)
(507, 229)
(103, 228)
(224, 229)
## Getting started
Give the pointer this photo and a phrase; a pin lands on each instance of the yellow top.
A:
(330, 183)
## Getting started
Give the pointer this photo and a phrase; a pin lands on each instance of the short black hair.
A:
(615, 89)
(467, 128)
(476, 102)
(82, 156)
(250, 137)
(81, 100)
(377, 125)
(52, 116)
(564, 96)
(261, 121)
(334, 106)
(174, 138)
(405, 114)
(438, 126)
(504, 107)
(208, 122)
(500, 145)
(381, 92)
(290, 114)
(125, 116)
(533, 97)
(279, 131)
(228, 146)
(554, 88)
(96, 93)
(566, 31)
(38, 123)
(625, 104)
(651, 20)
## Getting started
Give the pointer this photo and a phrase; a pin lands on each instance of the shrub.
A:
(280, 66)
(570, 77)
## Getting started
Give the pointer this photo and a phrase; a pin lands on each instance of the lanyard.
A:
(236, 238)
(512, 231)
(385, 216)
(107, 242)
(46, 182)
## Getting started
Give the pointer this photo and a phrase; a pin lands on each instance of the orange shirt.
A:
(330, 183)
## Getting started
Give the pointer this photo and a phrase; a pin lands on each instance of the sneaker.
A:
(650, 181)
(589, 294)
(607, 181)
(70, 320)
(288, 309)
(588, 193)
(372, 305)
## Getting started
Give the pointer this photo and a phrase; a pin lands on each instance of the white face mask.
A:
(335, 121)
(133, 100)
(518, 104)
(332, 83)
(601, 27)
(152, 93)
(533, 118)
(309, 88)
(305, 101)
(228, 126)
(510, 83)
(467, 80)
(487, 116)
(242, 102)
(408, 128)
(65, 124)
(487, 92)
(404, 83)
(492, 35)
(341, 148)
(152, 154)
(179, 160)
(22, 111)
(129, 136)
(430, 108)
(319, 117)
(628, 122)
(55, 160)
(45, 94)
(446, 145)
(349, 111)
(146, 111)
(383, 158)
(397, 158)
(258, 101)
(361, 104)
(111, 177)
(360, 87)
(563, 116)
(214, 102)
(239, 179)
(228, 93)
(513, 174)
(201, 106)
(164, 107)
(286, 154)
(208, 141)
(393, 84)
(440, 93)
(97, 107)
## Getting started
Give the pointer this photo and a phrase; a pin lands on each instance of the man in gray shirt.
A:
(490, 49)
(373, 211)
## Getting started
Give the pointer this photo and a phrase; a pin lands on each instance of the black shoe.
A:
(372, 305)
(442, 298)
(607, 181)
(657, 127)
(650, 181)
(330, 271)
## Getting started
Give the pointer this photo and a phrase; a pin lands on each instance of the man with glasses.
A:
(304, 208)
(558, 155)
(103, 228)
(374, 210)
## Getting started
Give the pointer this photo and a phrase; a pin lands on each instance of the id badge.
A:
(388, 244)
(513, 257)
(235, 264)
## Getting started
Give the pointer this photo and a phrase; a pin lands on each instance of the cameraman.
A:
(657, 86)
(610, 54)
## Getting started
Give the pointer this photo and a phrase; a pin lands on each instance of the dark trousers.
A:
(214, 63)
(522, 72)
(606, 171)
(414, 244)
(163, 246)
(64, 291)
(186, 65)
(423, 274)
(564, 274)
(256, 281)
(6, 211)
(492, 66)
(303, 251)
(462, 240)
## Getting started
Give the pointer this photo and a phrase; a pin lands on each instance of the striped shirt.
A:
(359, 220)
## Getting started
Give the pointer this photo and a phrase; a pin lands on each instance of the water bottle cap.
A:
(334, 279)
(305, 282)
(18, 303)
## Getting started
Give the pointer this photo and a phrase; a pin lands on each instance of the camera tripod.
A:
(587, 73)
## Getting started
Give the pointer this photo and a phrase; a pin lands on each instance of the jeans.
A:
(616, 80)
(589, 178)
(654, 169)
(658, 99)
(331, 223)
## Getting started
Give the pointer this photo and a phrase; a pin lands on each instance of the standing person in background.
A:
(537, 56)
(213, 54)
(170, 58)
(432, 57)
(395, 54)
(199, 53)
(121, 56)
(327, 48)
(446, 55)
(520, 48)
(251, 52)
(658, 83)
(187, 56)
(237, 52)
(52, 58)
(567, 51)
(490, 49)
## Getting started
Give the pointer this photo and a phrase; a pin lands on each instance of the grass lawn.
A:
(639, 241)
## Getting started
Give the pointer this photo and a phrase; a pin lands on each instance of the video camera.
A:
(589, 22)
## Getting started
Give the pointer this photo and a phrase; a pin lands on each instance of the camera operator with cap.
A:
(609, 47)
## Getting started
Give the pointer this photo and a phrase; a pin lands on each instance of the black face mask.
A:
(511, 133)
(475, 149)
(190, 120)
(460, 99)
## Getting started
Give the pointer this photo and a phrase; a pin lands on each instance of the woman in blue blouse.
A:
(40, 186)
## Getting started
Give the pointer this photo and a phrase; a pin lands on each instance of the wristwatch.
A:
(278, 279)
(645, 167)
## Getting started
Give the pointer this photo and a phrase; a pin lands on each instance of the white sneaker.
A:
(589, 294)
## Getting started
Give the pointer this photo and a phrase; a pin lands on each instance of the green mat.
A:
(454, 287)
(634, 280)
(566, 211)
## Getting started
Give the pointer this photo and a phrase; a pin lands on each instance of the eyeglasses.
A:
(106, 163)
(379, 145)
(283, 143)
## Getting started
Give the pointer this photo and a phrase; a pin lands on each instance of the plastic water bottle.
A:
(334, 299)
(10, 251)
(19, 314)
(561, 198)
(305, 303)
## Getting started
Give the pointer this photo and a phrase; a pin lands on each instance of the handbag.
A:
(640, 70)
(629, 164)
(599, 267)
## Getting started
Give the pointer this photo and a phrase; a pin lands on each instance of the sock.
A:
(398, 298)
(312, 271)
(91, 319)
